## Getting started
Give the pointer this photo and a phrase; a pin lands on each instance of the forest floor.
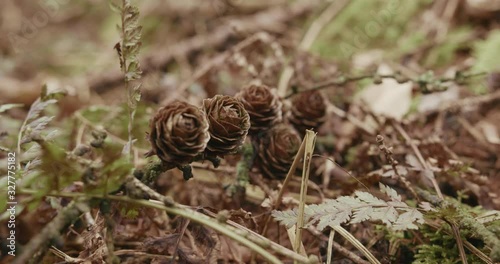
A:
(403, 165)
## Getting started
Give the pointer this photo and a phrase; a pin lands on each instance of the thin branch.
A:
(241, 235)
(356, 244)
(390, 159)
(420, 158)
(426, 83)
(342, 250)
(263, 241)
(35, 249)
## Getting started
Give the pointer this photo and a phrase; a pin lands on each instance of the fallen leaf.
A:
(390, 98)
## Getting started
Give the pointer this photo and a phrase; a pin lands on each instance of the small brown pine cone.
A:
(179, 132)
(263, 106)
(229, 124)
(308, 111)
(277, 151)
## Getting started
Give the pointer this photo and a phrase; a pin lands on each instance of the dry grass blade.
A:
(329, 252)
(289, 175)
(310, 141)
(356, 243)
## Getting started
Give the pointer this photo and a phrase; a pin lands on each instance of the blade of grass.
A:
(310, 141)
(329, 251)
(291, 236)
(289, 175)
(356, 244)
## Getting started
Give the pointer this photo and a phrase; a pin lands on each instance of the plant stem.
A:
(356, 244)
(289, 175)
(342, 80)
(35, 249)
(330, 247)
(239, 236)
(310, 140)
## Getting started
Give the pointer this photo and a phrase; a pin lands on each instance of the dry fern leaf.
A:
(363, 206)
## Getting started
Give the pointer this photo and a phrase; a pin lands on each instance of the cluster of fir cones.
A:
(182, 133)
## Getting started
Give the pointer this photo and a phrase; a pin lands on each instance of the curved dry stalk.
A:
(310, 141)
(329, 251)
(356, 243)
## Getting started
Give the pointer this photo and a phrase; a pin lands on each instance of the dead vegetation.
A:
(350, 131)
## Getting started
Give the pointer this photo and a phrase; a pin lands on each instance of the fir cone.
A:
(263, 106)
(229, 124)
(179, 132)
(277, 151)
(308, 111)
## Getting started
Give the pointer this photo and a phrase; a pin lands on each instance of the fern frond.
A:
(128, 50)
(361, 207)
(34, 124)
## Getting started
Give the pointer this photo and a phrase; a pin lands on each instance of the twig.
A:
(35, 249)
(140, 253)
(420, 158)
(263, 241)
(460, 243)
(342, 250)
(476, 134)
(388, 156)
(240, 234)
(354, 120)
(426, 83)
(64, 256)
(312, 33)
(183, 230)
(349, 254)
(356, 244)
(105, 209)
